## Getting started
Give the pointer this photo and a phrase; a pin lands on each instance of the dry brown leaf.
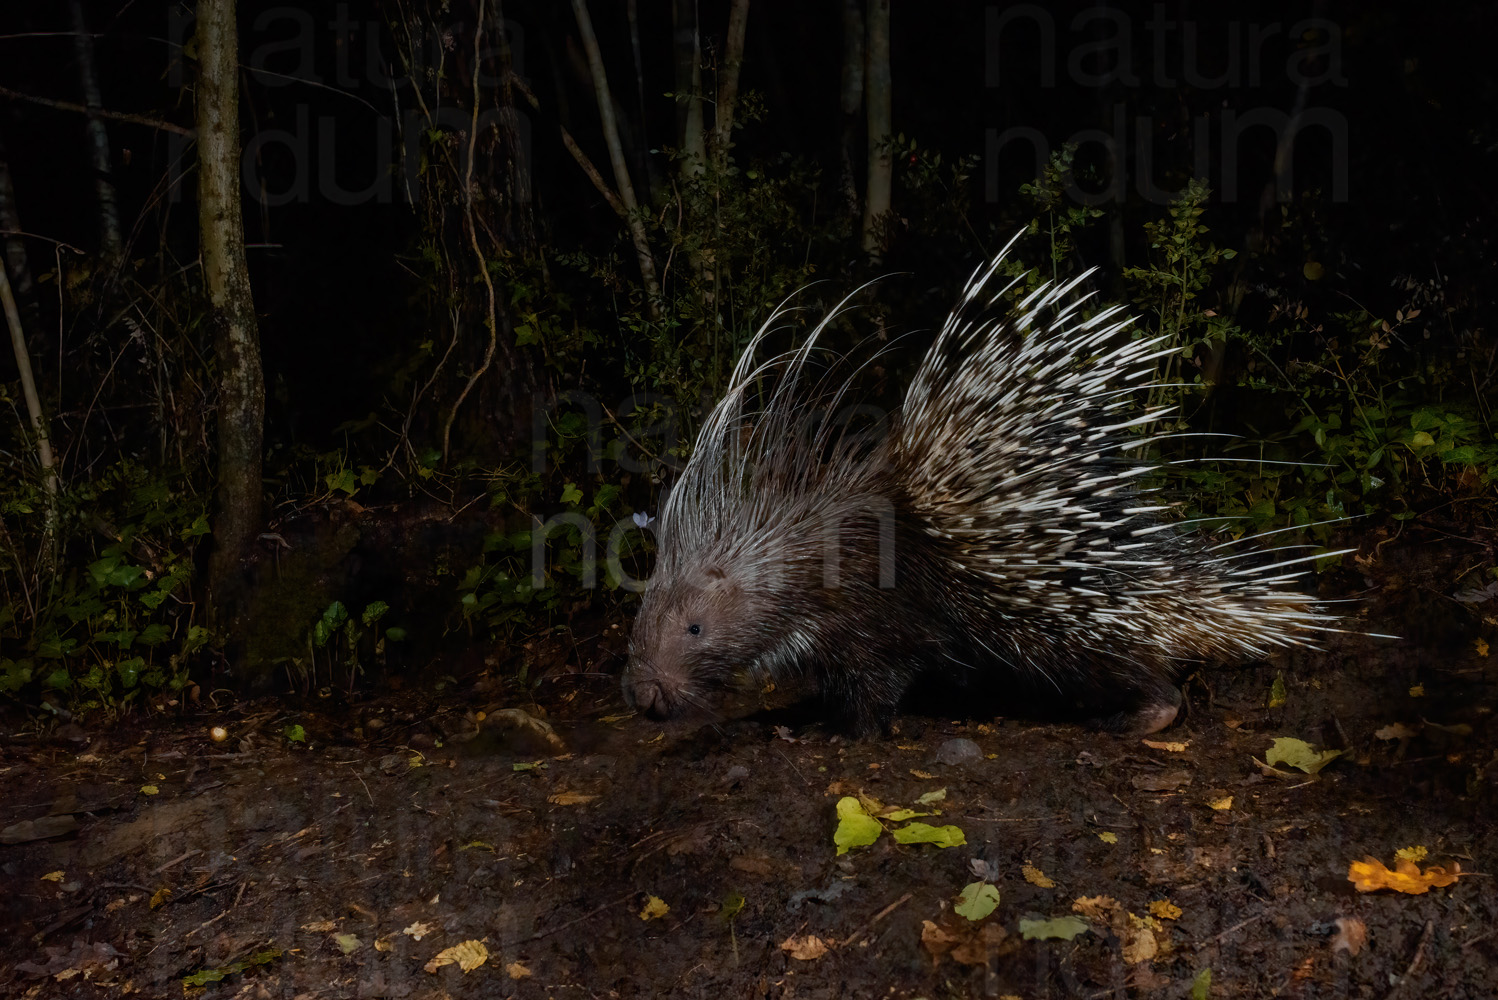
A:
(1351, 935)
(1139, 945)
(517, 971)
(937, 940)
(1171, 746)
(1095, 907)
(806, 949)
(1167, 781)
(979, 949)
(1370, 875)
(1395, 731)
(570, 798)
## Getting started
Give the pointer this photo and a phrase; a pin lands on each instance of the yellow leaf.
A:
(1417, 691)
(56, 876)
(1299, 753)
(1221, 805)
(1108, 837)
(1035, 876)
(655, 908)
(1164, 909)
(1480, 646)
(1415, 853)
(468, 956)
(1173, 747)
(149, 790)
(925, 833)
(1370, 875)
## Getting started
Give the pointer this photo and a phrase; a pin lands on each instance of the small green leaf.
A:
(925, 833)
(977, 900)
(855, 827)
(1277, 693)
(1057, 929)
(295, 734)
(1201, 986)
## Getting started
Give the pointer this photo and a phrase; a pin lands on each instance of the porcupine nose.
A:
(646, 693)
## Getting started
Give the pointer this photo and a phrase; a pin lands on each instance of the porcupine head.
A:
(765, 546)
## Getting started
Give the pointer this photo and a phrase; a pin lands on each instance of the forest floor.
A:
(404, 840)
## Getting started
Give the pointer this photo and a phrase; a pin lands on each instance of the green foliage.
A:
(117, 621)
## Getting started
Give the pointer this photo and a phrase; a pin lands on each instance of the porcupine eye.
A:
(694, 629)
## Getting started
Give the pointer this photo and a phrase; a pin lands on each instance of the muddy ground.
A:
(406, 831)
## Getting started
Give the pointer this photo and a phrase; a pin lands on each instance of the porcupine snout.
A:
(651, 691)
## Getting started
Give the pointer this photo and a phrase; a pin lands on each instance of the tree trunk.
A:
(689, 86)
(881, 130)
(22, 284)
(616, 157)
(241, 387)
(851, 99)
(110, 243)
(728, 81)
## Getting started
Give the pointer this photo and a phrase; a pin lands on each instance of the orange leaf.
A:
(1370, 875)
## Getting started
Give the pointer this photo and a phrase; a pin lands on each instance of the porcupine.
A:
(995, 531)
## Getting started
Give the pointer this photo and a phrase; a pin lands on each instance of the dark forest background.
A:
(489, 322)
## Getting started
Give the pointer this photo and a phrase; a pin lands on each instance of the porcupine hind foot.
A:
(1153, 711)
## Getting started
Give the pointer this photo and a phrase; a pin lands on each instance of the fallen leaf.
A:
(1037, 877)
(348, 943)
(1395, 731)
(1095, 907)
(925, 833)
(1370, 875)
(517, 971)
(320, 926)
(655, 908)
(805, 949)
(901, 815)
(1221, 805)
(977, 900)
(56, 876)
(1299, 754)
(1108, 837)
(468, 956)
(570, 798)
(1139, 945)
(1351, 935)
(936, 940)
(1201, 986)
(979, 949)
(1164, 909)
(1167, 781)
(924, 775)
(1277, 693)
(937, 796)
(1417, 691)
(1480, 646)
(1171, 746)
(1057, 928)
(1415, 853)
(855, 827)
(418, 930)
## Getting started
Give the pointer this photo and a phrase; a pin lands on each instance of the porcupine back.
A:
(994, 533)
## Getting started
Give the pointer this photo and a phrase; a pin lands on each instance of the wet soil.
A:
(570, 852)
